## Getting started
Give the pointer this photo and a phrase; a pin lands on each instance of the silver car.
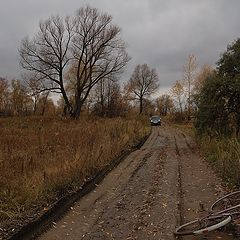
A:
(155, 121)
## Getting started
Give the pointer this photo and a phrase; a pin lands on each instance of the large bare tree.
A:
(143, 82)
(88, 44)
(47, 55)
(99, 53)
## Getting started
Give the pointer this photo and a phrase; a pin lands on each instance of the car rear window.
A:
(155, 118)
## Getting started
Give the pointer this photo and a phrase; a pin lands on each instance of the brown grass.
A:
(41, 158)
(224, 155)
(187, 127)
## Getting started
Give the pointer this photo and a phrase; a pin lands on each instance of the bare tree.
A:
(149, 107)
(45, 104)
(47, 54)
(21, 102)
(98, 51)
(164, 104)
(108, 99)
(189, 71)
(34, 88)
(103, 92)
(143, 82)
(88, 44)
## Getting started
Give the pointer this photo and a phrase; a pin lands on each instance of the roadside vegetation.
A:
(210, 98)
(218, 115)
(224, 155)
(42, 159)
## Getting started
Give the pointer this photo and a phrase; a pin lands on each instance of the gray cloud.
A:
(158, 32)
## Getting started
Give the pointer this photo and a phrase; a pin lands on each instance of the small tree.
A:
(143, 82)
(108, 99)
(164, 104)
(202, 75)
(21, 102)
(177, 91)
(45, 105)
(4, 95)
(189, 71)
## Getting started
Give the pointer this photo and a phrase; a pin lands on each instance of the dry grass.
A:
(188, 128)
(224, 155)
(42, 157)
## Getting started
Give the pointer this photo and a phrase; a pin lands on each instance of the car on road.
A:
(155, 121)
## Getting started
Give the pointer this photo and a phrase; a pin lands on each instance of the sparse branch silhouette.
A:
(87, 44)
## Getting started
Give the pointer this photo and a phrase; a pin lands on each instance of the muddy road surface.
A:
(146, 196)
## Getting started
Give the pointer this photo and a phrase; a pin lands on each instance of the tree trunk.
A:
(180, 106)
(68, 107)
(78, 107)
(238, 125)
(35, 104)
(141, 105)
(189, 100)
(102, 105)
(44, 104)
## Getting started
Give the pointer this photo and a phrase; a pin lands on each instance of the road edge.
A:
(34, 229)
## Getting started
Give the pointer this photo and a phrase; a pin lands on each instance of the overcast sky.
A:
(161, 33)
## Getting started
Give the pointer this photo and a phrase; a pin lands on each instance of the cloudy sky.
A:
(161, 33)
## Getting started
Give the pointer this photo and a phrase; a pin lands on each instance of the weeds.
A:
(224, 155)
(42, 158)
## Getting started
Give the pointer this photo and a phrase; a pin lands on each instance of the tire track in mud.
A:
(198, 186)
(180, 189)
(129, 207)
(152, 191)
(130, 217)
(141, 164)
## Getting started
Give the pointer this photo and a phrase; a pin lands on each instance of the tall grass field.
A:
(42, 158)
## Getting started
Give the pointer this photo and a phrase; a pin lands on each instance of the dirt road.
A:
(152, 191)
